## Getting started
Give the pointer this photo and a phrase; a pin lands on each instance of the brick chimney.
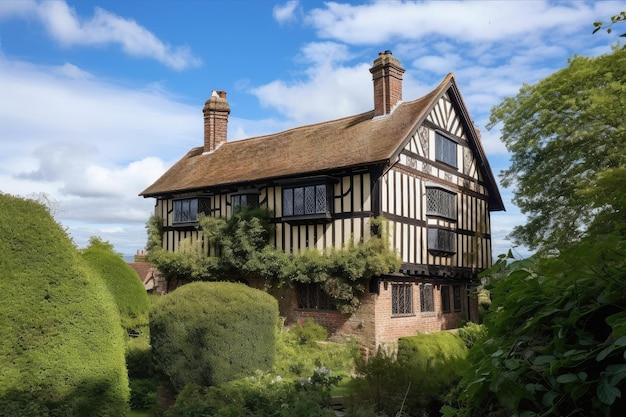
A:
(216, 110)
(387, 75)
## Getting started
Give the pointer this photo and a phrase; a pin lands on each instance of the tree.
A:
(62, 345)
(556, 337)
(618, 18)
(564, 133)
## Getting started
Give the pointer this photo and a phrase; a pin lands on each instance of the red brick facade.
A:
(373, 325)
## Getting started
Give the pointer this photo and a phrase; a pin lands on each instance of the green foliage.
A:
(309, 332)
(565, 134)
(142, 393)
(300, 349)
(556, 337)
(425, 370)
(242, 252)
(122, 282)
(471, 333)
(62, 345)
(618, 18)
(209, 333)
(261, 396)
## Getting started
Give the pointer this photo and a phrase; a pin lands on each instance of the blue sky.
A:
(99, 98)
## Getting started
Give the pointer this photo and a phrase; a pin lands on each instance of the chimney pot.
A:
(216, 111)
(387, 76)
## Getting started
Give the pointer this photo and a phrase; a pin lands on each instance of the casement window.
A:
(186, 210)
(445, 299)
(310, 201)
(244, 200)
(456, 289)
(427, 298)
(313, 297)
(440, 202)
(445, 150)
(401, 299)
(441, 241)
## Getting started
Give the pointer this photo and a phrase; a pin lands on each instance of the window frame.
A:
(446, 150)
(457, 299)
(436, 193)
(445, 299)
(427, 298)
(436, 245)
(311, 296)
(202, 205)
(402, 299)
(317, 190)
(251, 197)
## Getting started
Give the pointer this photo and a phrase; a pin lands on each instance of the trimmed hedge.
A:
(207, 333)
(62, 346)
(122, 282)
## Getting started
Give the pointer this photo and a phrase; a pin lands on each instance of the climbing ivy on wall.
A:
(240, 251)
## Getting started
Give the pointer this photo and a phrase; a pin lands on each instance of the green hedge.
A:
(207, 333)
(416, 381)
(62, 346)
(126, 288)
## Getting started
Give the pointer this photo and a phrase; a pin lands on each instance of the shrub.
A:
(62, 346)
(427, 366)
(471, 333)
(262, 396)
(295, 357)
(122, 282)
(556, 336)
(309, 332)
(207, 333)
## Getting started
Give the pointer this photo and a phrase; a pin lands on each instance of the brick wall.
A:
(390, 328)
(373, 325)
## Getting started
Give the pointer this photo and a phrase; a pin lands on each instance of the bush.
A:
(62, 346)
(296, 357)
(556, 337)
(309, 332)
(122, 282)
(207, 333)
(427, 366)
(258, 397)
(142, 393)
(471, 333)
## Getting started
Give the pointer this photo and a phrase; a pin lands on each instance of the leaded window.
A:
(306, 200)
(445, 150)
(427, 298)
(441, 241)
(457, 297)
(244, 201)
(401, 299)
(313, 297)
(440, 202)
(186, 210)
(445, 299)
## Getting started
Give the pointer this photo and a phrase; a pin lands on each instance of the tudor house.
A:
(419, 164)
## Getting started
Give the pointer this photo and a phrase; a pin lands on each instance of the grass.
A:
(138, 413)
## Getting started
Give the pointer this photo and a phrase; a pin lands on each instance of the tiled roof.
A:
(314, 149)
(347, 142)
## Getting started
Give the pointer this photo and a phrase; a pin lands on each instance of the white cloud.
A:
(328, 91)
(465, 21)
(90, 145)
(66, 27)
(72, 71)
(286, 12)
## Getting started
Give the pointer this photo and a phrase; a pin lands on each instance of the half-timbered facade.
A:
(419, 164)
